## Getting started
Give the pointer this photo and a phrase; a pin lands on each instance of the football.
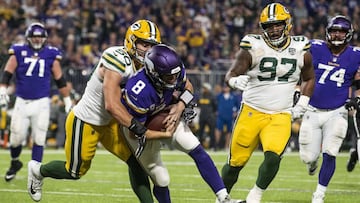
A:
(155, 121)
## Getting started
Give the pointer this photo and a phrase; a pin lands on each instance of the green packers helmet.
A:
(144, 30)
(272, 14)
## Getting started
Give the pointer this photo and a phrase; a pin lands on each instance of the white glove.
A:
(68, 104)
(239, 82)
(4, 97)
(299, 109)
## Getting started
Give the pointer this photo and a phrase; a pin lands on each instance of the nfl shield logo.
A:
(292, 51)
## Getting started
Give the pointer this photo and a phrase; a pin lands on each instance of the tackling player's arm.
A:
(112, 95)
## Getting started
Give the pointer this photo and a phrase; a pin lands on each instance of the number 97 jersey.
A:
(273, 72)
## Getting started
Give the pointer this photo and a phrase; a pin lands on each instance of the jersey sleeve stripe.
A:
(307, 46)
(245, 45)
(133, 106)
(113, 61)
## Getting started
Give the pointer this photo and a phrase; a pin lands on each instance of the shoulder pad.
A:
(247, 41)
(117, 59)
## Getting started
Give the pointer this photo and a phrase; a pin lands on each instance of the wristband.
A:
(186, 97)
(137, 128)
(5, 79)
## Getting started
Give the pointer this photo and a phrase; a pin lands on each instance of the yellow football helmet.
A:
(275, 13)
(144, 30)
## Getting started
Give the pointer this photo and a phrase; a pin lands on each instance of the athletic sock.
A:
(207, 168)
(162, 194)
(37, 153)
(327, 169)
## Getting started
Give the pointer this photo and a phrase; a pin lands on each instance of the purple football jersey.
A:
(334, 74)
(33, 73)
(142, 99)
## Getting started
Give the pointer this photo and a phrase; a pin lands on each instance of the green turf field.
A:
(107, 181)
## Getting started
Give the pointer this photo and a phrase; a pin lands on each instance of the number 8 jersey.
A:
(273, 73)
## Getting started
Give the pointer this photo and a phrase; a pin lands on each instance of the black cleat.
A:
(352, 160)
(15, 166)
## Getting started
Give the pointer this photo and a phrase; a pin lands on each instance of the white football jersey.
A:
(273, 73)
(91, 107)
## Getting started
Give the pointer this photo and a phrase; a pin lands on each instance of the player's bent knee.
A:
(307, 157)
(160, 176)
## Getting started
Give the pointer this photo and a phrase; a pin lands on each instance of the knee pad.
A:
(160, 176)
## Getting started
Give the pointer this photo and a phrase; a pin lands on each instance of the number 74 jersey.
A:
(334, 74)
(273, 73)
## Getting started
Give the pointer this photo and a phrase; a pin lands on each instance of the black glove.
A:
(352, 104)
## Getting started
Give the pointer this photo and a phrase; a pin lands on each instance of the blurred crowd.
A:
(206, 33)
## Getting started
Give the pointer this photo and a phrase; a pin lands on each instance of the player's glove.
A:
(299, 109)
(188, 115)
(4, 97)
(240, 82)
(352, 104)
(139, 131)
(141, 145)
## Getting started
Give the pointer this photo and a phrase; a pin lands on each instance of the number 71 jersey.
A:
(34, 70)
(334, 74)
(273, 73)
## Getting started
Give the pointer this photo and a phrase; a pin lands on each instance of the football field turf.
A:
(107, 181)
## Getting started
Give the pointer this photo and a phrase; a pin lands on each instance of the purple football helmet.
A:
(163, 66)
(339, 23)
(36, 35)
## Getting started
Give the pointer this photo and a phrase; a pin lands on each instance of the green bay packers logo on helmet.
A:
(143, 30)
(272, 16)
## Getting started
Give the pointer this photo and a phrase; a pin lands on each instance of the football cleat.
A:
(253, 197)
(15, 166)
(318, 198)
(229, 200)
(34, 180)
(352, 160)
(312, 168)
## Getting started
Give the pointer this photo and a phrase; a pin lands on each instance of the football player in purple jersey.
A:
(34, 63)
(325, 122)
(150, 91)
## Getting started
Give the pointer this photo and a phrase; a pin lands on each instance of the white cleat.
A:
(34, 180)
(318, 198)
(253, 197)
(229, 200)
